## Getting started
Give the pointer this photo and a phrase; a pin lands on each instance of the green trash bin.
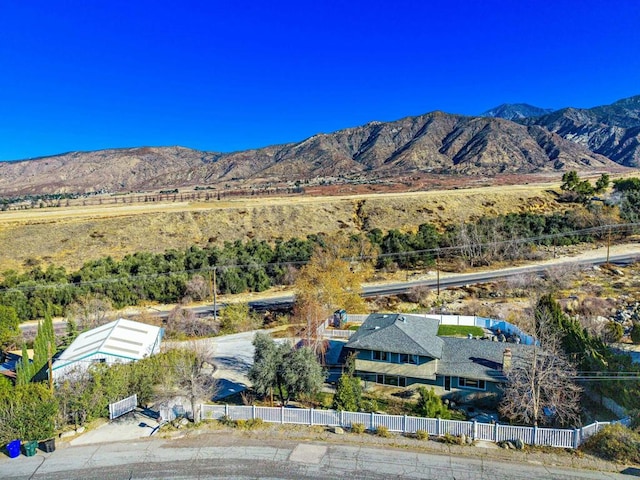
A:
(30, 448)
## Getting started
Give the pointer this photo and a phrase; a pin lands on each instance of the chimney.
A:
(506, 359)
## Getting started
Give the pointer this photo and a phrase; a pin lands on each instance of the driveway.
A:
(233, 357)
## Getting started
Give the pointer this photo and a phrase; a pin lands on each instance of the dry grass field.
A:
(71, 235)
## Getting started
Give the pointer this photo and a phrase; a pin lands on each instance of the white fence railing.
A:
(126, 405)
(494, 432)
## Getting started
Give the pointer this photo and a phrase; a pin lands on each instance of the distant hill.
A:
(435, 143)
(609, 130)
(516, 111)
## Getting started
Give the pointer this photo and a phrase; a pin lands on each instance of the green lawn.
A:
(459, 331)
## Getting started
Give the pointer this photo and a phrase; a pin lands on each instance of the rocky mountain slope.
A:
(516, 111)
(436, 143)
(609, 130)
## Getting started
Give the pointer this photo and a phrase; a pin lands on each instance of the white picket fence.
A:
(126, 405)
(552, 437)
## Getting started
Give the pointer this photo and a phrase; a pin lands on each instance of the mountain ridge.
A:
(432, 143)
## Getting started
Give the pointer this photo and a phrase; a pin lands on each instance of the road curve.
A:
(218, 456)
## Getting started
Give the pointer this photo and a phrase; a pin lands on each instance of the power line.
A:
(361, 258)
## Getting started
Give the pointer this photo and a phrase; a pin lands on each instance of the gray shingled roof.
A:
(478, 359)
(399, 334)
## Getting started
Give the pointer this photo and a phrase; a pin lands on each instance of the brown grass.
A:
(70, 236)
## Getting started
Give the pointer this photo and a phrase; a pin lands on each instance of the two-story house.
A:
(403, 350)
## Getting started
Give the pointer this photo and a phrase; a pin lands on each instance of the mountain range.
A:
(514, 139)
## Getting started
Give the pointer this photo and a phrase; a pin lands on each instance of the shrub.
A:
(357, 428)
(430, 405)
(369, 405)
(422, 434)
(226, 421)
(382, 431)
(615, 442)
(450, 439)
(253, 423)
(635, 333)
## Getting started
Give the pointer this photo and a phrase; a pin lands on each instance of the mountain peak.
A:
(516, 111)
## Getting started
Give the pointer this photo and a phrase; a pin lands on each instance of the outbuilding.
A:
(120, 341)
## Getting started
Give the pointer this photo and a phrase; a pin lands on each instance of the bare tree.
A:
(540, 387)
(184, 322)
(560, 277)
(197, 288)
(190, 374)
(90, 312)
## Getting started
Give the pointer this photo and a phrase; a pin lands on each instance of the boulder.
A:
(338, 430)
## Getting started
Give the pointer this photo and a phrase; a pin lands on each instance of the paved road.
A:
(447, 280)
(214, 457)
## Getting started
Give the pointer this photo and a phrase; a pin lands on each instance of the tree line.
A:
(255, 266)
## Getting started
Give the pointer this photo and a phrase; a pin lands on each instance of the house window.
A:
(393, 380)
(406, 358)
(382, 356)
(471, 383)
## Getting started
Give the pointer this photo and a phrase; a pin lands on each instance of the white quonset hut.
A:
(120, 341)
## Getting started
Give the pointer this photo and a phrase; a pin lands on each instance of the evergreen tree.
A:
(430, 405)
(348, 395)
(281, 366)
(44, 344)
(24, 368)
(9, 326)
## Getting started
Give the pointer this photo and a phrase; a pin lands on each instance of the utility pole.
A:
(438, 274)
(215, 297)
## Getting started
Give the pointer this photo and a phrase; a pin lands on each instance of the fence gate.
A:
(126, 405)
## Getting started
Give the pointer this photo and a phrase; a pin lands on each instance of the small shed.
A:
(120, 341)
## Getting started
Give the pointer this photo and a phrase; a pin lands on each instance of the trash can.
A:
(13, 448)
(30, 448)
(48, 446)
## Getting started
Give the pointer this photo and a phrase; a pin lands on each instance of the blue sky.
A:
(231, 75)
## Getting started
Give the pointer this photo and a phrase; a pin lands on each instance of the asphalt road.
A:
(446, 281)
(456, 280)
(215, 457)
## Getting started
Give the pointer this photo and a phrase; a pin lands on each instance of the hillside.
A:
(70, 236)
(609, 130)
(435, 143)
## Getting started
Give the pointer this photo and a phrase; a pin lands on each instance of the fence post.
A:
(281, 414)
(576, 439)
(495, 433)
(311, 416)
(253, 412)
(438, 426)
(371, 421)
(342, 419)
(404, 424)
(535, 435)
(226, 409)
(474, 432)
